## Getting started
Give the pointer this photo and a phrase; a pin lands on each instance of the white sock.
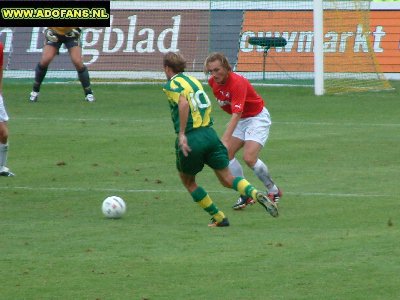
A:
(3, 155)
(261, 171)
(236, 168)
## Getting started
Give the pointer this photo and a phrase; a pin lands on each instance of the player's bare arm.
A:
(184, 108)
(235, 118)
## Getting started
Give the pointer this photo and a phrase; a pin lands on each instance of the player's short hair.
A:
(217, 56)
(175, 61)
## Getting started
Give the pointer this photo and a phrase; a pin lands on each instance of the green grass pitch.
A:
(336, 158)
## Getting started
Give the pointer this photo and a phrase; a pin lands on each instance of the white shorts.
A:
(254, 128)
(3, 113)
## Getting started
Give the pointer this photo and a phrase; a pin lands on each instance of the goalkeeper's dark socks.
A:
(88, 91)
(40, 73)
(83, 76)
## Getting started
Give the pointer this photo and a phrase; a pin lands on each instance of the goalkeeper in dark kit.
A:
(54, 38)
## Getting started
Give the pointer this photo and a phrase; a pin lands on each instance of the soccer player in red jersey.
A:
(197, 144)
(4, 171)
(249, 125)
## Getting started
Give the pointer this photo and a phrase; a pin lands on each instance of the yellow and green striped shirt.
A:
(192, 90)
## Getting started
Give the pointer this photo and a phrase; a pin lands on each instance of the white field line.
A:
(339, 124)
(86, 119)
(225, 191)
(150, 120)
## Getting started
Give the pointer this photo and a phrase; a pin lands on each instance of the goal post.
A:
(318, 48)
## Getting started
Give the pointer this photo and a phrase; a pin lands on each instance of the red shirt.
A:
(237, 95)
(1, 55)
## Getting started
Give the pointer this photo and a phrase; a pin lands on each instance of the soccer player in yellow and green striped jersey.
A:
(198, 144)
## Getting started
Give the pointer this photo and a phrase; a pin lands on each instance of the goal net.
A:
(270, 42)
(349, 43)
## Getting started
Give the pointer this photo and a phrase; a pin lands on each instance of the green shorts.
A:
(207, 149)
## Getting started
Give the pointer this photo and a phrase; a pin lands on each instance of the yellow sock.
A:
(203, 199)
(244, 187)
(219, 216)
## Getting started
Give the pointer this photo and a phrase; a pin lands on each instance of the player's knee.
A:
(231, 154)
(42, 66)
(226, 181)
(189, 183)
(80, 68)
(3, 135)
(250, 160)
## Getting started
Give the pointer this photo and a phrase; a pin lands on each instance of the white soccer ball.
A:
(113, 207)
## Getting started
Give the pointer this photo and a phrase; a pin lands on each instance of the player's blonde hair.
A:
(175, 61)
(217, 56)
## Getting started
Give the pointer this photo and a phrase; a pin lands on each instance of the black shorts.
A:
(69, 42)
